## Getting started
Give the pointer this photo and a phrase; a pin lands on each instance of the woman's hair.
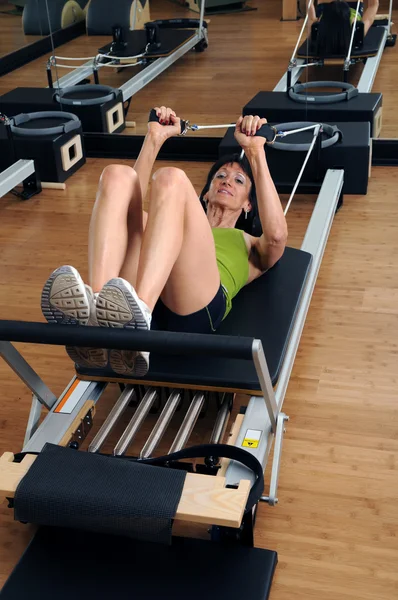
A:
(334, 29)
(251, 224)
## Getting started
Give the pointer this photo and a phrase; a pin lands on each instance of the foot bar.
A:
(122, 339)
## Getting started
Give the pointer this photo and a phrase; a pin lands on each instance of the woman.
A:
(177, 262)
(335, 24)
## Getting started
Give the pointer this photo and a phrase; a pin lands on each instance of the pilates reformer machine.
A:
(125, 503)
(368, 49)
(153, 50)
(332, 102)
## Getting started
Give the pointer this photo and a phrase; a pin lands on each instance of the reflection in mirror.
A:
(119, 51)
(13, 34)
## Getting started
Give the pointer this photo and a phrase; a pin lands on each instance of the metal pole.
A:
(188, 423)
(118, 409)
(138, 418)
(161, 425)
(221, 421)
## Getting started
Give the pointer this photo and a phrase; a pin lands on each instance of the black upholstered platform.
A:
(72, 565)
(170, 40)
(265, 310)
(371, 45)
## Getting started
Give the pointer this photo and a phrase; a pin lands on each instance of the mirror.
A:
(117, 31)
(12, 36)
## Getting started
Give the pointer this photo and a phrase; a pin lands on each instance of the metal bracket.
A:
(31, 187)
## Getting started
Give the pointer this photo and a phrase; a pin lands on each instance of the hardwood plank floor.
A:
(336, 525)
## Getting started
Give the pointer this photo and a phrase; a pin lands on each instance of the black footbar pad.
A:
(370, 47)
(70, 565)
(265, 310)
(170, 40)
(68, 488)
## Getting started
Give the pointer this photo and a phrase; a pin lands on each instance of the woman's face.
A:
(230, 188)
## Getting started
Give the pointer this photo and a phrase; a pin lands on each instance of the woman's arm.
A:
(271, 245)
(369, 15)
(158, 133)
(312, 14)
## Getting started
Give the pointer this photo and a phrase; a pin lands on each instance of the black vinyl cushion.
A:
(371, 45)
(71, 565)
(170, 40)
(265, 310)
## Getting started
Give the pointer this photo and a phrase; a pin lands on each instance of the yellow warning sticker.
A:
(252, 438)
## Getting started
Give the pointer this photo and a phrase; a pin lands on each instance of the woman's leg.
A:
(115, 236)
(116, 227)
(177, 262)
(178, 257)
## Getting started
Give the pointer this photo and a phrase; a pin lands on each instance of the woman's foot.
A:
(119, 306)
(68, 301)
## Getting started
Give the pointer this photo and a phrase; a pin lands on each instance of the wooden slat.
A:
(169, 384)
(204, 498)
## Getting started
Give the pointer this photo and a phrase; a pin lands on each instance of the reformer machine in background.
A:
(155, 48)
(367, 49)
(342, 102)
(253, 352)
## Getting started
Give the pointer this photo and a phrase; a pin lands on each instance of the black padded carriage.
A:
(170, 40)
(67, 564)
(265, 310)
(370, 46)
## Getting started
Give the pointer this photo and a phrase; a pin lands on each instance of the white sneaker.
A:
(118, 305)
(68, 301)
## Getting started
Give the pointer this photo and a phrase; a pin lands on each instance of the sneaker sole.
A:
(120, 365)
(117, 306)
(88, 357)
(64, 298)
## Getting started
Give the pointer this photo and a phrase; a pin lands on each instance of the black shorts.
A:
(206, 320)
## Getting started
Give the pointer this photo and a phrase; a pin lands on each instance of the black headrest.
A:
(358, 35)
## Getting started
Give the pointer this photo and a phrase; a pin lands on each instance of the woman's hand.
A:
(169, 124)
(245, 132)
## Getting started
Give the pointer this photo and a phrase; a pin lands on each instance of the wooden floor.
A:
(336, 526)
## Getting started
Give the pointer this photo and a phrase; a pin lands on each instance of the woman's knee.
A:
(170, 177)
(118, 176)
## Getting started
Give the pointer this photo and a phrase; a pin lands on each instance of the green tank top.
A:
(352, 16)
(232, 261)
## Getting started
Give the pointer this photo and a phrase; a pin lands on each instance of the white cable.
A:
(69, 58)
(285, 133)
(121, 57)
(198, 127)
(122, 66)
(73, 67)
(347, 60)
(301, 32)
(316, 133)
